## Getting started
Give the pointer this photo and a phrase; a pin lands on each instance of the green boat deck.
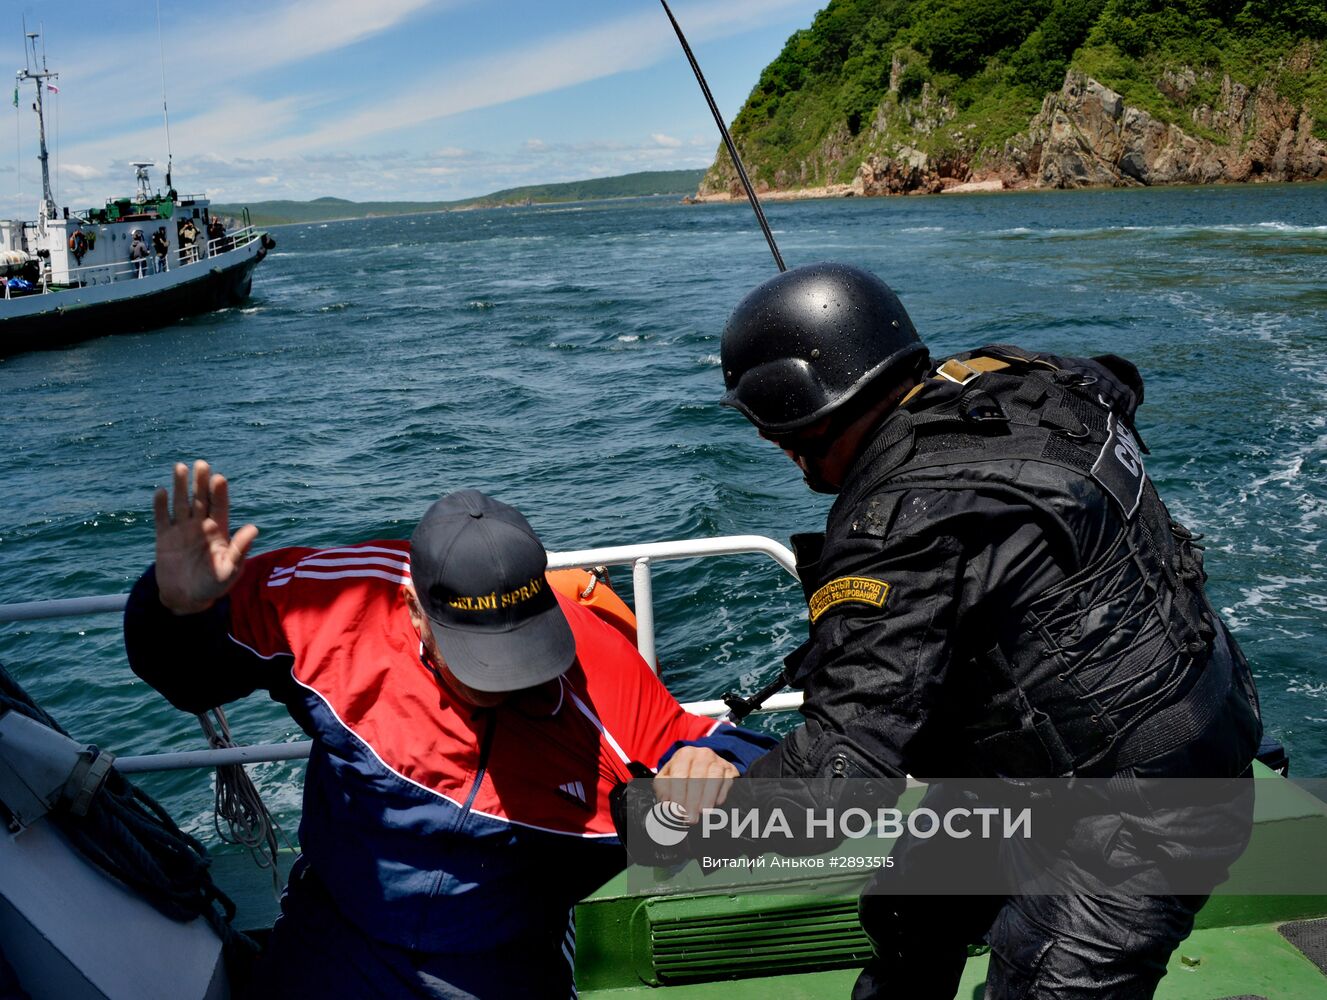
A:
(1219, 962)
(793, 936)
(1238, 950)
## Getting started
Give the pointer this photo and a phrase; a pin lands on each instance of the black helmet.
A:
(808, 340)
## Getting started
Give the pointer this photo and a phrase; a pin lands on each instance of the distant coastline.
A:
(847, 191)
(636, 185)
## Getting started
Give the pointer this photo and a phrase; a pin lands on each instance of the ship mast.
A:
(48, 209)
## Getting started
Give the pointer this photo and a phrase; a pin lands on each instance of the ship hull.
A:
(57, 319)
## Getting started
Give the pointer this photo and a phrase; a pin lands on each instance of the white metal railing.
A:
(128, 270)
(640, 557)
(231, 241)
(207, 249)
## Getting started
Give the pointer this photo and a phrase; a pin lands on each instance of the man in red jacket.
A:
(468, 724)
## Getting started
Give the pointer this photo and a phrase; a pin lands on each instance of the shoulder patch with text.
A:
(848, 590)
(1119, 467)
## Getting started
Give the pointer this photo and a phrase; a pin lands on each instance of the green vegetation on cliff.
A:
(637, 185)
(959, 77)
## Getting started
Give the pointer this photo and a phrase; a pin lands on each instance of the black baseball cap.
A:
(478, 570)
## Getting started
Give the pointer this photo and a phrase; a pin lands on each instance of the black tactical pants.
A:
(1091, 914)
(1053, 947)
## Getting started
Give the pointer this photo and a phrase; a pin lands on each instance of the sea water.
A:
(566, 360)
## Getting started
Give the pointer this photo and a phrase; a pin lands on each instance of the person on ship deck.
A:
(139, 253)
(188, 234)
(216, 236)
(468, 723)
(161, 246)
(999, 594)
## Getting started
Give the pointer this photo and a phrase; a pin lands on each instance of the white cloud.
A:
(365, 177)
(237, 123)
(254, 37)
(320, 138)
(607, 48)
(311, 27)
(82, 172)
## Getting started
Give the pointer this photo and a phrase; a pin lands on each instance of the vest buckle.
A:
(958, 372)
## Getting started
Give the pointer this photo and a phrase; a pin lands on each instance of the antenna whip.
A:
(164, 113)
(727, 140)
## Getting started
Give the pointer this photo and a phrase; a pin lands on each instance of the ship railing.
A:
(641, 558)
(232, 241)
(113, 271)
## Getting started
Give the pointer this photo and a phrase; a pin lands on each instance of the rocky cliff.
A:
(1086, 135)
(1204, 126)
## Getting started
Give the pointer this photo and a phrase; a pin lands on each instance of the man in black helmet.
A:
(999, 593)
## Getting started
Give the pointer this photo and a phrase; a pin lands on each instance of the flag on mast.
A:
(53, 88)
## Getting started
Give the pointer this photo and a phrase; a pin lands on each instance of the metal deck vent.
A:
(728, 937)
(1310, 937)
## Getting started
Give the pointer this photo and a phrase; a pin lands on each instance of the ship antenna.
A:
(165, 114)
(39, 77)
(727, 140)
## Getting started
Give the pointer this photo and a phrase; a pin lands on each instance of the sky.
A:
(392, 100)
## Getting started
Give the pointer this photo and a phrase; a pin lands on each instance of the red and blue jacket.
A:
(433, 825)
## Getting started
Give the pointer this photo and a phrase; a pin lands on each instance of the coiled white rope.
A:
(247, 820)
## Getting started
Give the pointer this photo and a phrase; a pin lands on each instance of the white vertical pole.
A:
(642, 584)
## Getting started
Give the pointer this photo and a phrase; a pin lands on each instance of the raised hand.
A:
(197, 559)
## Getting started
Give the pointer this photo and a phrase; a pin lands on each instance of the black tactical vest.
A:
(1125, 659)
